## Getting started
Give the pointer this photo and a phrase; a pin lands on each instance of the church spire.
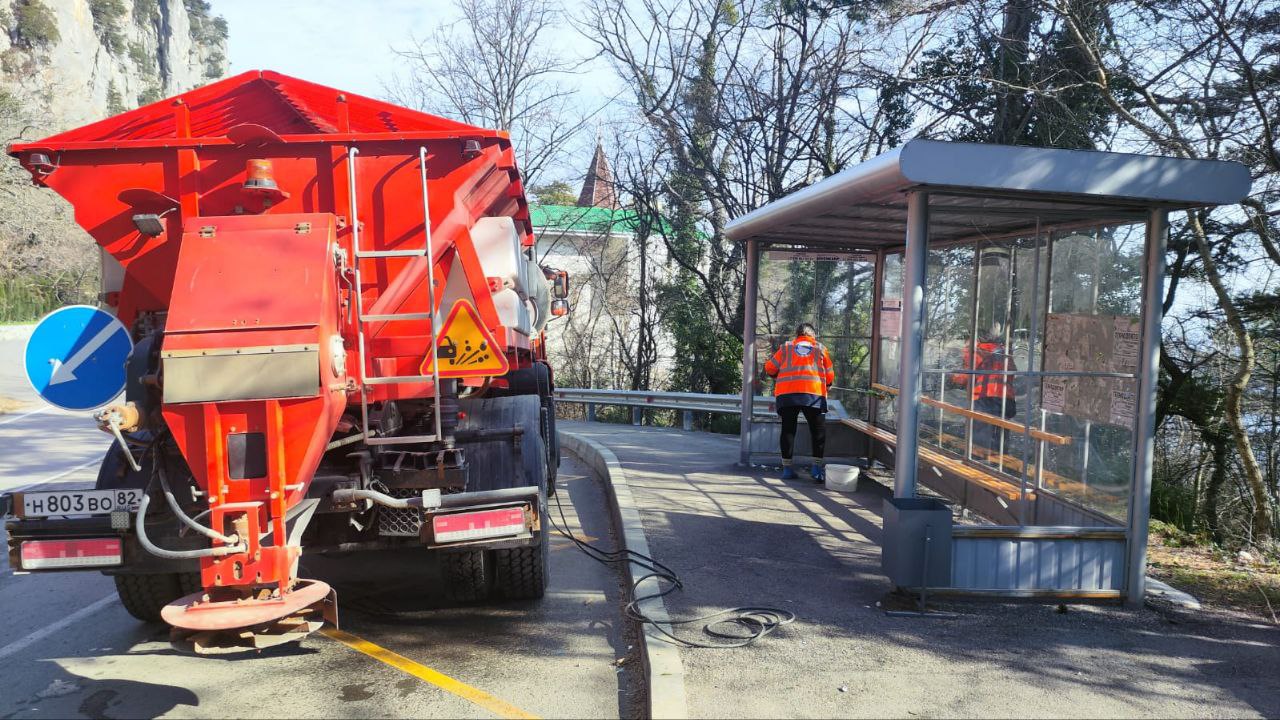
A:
(597, 189)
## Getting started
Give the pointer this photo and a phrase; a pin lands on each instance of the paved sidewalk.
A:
(739, 538)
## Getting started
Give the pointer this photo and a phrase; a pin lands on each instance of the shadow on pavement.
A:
(741, 536)
(71, 695)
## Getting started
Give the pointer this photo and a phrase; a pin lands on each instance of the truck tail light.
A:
(479, 525)
(55, 554)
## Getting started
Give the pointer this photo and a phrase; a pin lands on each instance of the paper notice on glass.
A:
(1124, 345)
(1123, 405)
(890, 318)
(1054, 395)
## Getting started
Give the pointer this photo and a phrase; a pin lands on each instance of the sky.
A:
(340, 43)
(348, 45)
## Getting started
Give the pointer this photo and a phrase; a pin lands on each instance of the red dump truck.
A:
(338, 346)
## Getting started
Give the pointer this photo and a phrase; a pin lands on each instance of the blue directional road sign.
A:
(75, 357)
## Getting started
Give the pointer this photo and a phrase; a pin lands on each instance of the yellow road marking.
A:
(501, 708)
(563, 542)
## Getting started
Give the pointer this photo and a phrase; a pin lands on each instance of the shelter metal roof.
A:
(981, 190)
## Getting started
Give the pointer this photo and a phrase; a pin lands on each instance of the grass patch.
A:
(1244, 582)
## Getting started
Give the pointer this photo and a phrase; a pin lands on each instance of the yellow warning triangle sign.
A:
(465, 347)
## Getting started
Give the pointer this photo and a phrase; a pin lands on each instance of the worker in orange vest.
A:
(992, 394)
(802, 372)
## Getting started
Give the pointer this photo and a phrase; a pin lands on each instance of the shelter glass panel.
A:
(833, 291)
(1093, 340)
(889, 319)
(1029, 369)
(981, 312)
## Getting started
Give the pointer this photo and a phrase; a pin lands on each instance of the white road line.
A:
(62, 624)
(23, 415)
(59, 476)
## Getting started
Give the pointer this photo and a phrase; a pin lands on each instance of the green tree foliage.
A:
(1022, 83)
(107, 16)
(142, 60)
(215, 66)
(557, 192)
(115, 103)
(35, 26)
(151, 93)
(45, 260)
(146, 12)
(208, 29)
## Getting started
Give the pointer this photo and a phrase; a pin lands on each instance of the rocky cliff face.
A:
(68, 62)
(64, 63)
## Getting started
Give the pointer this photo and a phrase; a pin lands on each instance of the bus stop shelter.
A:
(1010, 353)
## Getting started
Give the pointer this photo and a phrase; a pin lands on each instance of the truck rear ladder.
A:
(366, 379)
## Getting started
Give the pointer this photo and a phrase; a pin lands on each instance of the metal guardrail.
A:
(689, 402)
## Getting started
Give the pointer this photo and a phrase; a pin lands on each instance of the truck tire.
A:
(145, 595)
(189, 582)
(492, 463)
(536, 380)
(466, 575)
(522, 573)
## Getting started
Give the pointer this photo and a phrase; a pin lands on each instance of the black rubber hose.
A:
(177, 509)
(755, 621)
(140, 527)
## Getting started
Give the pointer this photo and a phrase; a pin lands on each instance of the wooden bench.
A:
(1060, 483)
(1002, 487)
(983, 417)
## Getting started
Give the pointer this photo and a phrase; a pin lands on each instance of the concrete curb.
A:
(15, 332)
(663, 666)
(1164, 591)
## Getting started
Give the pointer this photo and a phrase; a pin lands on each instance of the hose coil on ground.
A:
(752, 622)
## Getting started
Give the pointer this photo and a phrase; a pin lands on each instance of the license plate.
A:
(78, 502)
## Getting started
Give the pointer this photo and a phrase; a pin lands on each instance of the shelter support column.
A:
(911, 350)
(750, 291)
(1144, 430)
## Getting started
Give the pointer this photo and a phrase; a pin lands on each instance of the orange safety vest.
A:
(801, 366)
(991, 356)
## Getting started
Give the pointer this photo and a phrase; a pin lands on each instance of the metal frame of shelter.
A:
(930, 194)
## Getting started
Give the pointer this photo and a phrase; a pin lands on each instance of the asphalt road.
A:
(68, 649)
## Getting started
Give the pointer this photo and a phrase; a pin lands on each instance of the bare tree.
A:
(1186, 86)
(46, 259)
(609, 338)
(738, 104)
(498, 66)
(1190, 78)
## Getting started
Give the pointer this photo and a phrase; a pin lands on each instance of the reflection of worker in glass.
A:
(802, 369)
(992, 394)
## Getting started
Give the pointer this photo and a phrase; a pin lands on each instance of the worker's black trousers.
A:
(817, 429)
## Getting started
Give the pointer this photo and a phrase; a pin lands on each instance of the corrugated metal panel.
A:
(1051, 509)
(278, 102)
(1037, 565)
(843, 443)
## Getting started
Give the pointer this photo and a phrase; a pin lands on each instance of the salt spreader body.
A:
(338, 346)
